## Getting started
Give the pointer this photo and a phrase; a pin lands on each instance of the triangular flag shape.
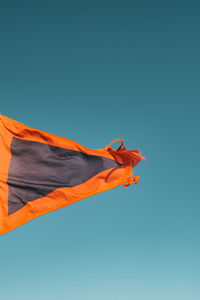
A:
(41, 172)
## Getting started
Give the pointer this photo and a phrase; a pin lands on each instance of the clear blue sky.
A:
(93, 71)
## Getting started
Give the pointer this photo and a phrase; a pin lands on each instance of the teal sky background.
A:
(93, 71)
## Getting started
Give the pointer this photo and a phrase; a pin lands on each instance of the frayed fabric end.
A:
(132, 180)
(129, 159)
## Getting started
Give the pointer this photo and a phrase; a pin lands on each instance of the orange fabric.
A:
(63, 196)
(131, 180)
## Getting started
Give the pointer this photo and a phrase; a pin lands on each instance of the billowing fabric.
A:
(41, 172)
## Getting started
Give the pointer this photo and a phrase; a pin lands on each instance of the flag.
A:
(41, 172)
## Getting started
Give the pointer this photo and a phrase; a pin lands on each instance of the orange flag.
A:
(41, 172)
